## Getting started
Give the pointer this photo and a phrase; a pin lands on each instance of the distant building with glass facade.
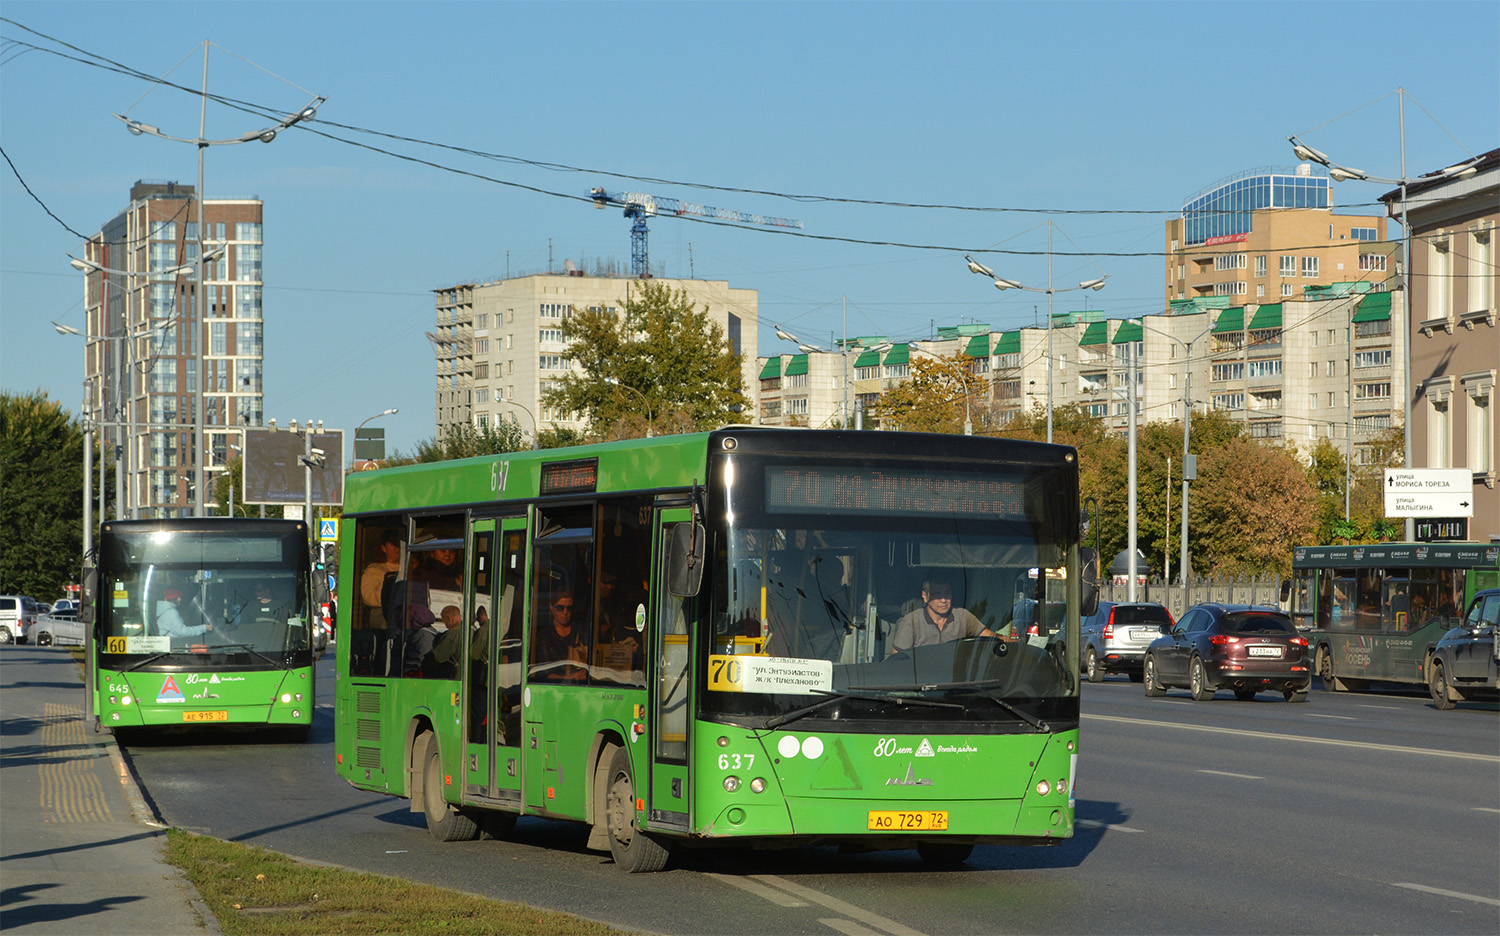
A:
(1225, 208)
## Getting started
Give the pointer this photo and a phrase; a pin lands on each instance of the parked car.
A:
(1463, 663)
(65, 606)
(1244, 648)
(17, 617)
(58, 630)
(1114, 639)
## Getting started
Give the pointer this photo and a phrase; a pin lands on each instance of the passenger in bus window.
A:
(420, 647)
(169, 622)
(560, 654)
(442, 571)
(372, 580)
(936, 621)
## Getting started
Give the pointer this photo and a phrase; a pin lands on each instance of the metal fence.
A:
(1262, 590)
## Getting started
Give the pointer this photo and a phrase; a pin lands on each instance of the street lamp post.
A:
(1189, 470)
(535, 427)
(1004, 284)
(390, 412)
(650, 420)
(843, 351)
(1341, 173)
(198, 314)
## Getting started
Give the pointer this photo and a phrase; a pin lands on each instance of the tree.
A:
(661, 366)
(41, 495)
(466, 440)
(937, 397)
(1326, 475)
(1253, 504)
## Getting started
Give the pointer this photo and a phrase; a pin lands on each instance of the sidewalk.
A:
(79, 850)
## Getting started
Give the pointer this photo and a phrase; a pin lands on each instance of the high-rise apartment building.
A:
(1268, 235)
(148, 330)
(500, 345)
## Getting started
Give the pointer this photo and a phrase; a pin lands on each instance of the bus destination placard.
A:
(852, 490)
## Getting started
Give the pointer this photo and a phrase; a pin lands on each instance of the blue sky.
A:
(1099, 117)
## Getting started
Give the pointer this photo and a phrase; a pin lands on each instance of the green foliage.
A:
(939, 395)
(1253, 503)
(662, 366)
(466, 440)
(41, 496)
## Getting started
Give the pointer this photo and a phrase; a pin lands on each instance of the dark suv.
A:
(1463, 663)
(1244, 648)
(1114, 639)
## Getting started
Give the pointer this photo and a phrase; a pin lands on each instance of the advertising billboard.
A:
(274, 472)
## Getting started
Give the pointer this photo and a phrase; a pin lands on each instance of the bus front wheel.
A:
(444, 822)
(633, 850)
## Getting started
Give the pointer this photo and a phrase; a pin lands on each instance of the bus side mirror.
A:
(685, 564)
(1286, 590)
(86, 600)
(1088, 580)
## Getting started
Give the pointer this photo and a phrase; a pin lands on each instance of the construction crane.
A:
(639, 207)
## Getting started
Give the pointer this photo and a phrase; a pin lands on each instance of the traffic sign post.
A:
(328, 530)
(1429, 492)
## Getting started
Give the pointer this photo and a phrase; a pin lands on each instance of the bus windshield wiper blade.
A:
(247, 648)
(150, 659)
(795, 714)
(1031, 720)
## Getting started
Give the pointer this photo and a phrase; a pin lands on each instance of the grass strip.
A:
(255, 892)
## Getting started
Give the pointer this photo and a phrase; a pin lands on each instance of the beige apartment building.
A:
(500, 345)
(1326, 367)
(1269, 235)
(147, 332)
(1455, 339)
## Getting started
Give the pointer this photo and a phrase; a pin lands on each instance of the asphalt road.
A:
(1353, 813)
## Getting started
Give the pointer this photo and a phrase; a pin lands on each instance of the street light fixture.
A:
(390, 412)
(1340, 173)
(1004, 284)
(535, 427)
(843, 352)
(650, 420)
(306, 113)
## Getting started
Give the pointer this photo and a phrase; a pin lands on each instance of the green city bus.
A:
(200, 622)
(1373, 613)
(692, 640)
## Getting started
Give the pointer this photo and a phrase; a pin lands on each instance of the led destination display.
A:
(852, 490)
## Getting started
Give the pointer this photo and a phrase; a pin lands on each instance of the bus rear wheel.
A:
(1325, 671)
(444, 822)
(633, 850)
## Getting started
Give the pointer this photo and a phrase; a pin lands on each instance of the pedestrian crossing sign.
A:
(328, 531)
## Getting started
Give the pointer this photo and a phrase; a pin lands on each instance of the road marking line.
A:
(1448, 893)
(1383, 708)
(1486, 809)
(848, 927)
(1096, 824)
(1225, 773)
(839, 906)
(759, 890)
(1340, 717)
(1275, 736)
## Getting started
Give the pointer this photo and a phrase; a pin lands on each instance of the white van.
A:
(17, 617)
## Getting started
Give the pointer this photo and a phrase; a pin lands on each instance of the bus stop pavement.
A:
(80, 849)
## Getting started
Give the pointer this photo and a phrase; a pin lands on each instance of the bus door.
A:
(491, 689)
(671, 681)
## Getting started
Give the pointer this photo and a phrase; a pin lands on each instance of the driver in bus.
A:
(936, 621)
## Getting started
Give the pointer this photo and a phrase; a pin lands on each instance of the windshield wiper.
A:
(211, 648)
(1031, 720)
(150, 659)
(795, 714)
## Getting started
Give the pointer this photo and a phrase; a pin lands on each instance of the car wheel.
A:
(1198, 683)
(1091, 666)
(1148, 676)
(44, 639)
(5, 636)
(634, 851)
(1437, 684)
(944, 855)
(1295, 695)
(1244, 695)
(444, 822)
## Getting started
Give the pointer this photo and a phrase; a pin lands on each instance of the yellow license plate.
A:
(205, 716)
(908, 820)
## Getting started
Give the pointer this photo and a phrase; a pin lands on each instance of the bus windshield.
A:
(239, 596)
(944, 602)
